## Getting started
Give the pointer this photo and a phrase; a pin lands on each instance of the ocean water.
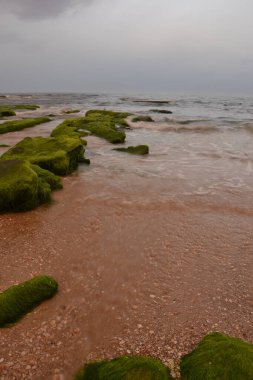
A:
(203, 148)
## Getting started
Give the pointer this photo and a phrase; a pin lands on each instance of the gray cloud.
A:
(39, 9)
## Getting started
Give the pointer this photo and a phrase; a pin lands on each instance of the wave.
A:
(186, 121)
(191, 128)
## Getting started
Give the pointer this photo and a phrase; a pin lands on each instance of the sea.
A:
(202, 147)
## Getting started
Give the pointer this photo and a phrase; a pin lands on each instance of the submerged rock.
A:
(125, 368)
(147, 119)
(139, 149)
(162, 111)
(219, 357)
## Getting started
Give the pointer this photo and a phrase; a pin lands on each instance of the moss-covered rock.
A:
(70, 128)
(24, 186)
(9, 110)
(20, 299)
(17, 125)
(58, 155)
(125, 368)
(219, 357)
(139, 149)
(105, 124)
(6, 112)
(30, 107)
(147, 119)
(4, 146)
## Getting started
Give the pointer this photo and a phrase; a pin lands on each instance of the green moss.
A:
(58, 155)
(31, 107)
(17, 125)
(147, 119)
(23, 186)
(5, 112)
(162, 111)
(9, 110)
(125, 368)
(219, 357)
(48, 177)
(71, 111)
(20, 299)
(105, 124)
(139, 149)
(69, 128)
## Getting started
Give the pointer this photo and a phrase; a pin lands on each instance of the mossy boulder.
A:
(58, 155)
(147, 119)
(24, 186)
(219, 357)
(17, 125)
(20, 299)
(125, 368)
(139, 149)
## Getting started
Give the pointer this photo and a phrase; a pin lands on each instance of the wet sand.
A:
(139, 272)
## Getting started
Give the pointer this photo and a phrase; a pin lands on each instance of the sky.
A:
(184, 46)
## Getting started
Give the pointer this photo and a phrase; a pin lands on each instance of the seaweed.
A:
(219, 357)
(19, 300)
(124, 368)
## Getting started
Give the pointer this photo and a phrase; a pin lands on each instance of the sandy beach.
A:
(145, 264)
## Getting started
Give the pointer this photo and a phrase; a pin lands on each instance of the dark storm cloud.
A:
(39, 9)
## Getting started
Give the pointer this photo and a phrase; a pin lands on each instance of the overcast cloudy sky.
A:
(127, 45)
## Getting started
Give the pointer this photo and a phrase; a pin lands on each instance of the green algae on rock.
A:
(19, 300)
(125, 368)
(24, 186)
(219, 357)
(101, 123)
(6, 112)
(58, 155)
(30, 107)
(139, 149)
(70, 128)
(106, 124)
(9, 110)
(147, 119)
(18, 125)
